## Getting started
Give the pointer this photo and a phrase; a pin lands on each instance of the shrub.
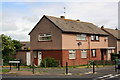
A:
(115, 56)
(49, 62)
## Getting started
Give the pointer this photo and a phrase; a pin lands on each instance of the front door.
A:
(28, 58)
(39, 57)
(103, 54)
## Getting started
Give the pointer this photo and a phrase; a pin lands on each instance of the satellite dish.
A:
(79, 43)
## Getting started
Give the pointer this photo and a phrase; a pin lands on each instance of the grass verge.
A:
(4, 70)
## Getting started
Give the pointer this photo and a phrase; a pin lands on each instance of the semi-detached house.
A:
(67, 40)
(113, 38)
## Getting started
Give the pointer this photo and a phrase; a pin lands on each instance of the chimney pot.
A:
(102, 27)
(63, 17)
(77, 20)
(116, 29)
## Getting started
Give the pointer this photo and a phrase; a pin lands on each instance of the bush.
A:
(115, 56)
(49, 62)
(6, 60)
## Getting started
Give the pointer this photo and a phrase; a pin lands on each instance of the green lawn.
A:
(4, 70)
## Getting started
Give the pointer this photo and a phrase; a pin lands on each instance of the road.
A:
(72, 77)
(105, 73)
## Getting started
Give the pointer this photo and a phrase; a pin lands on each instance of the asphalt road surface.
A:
(106, 73)
(72, 77)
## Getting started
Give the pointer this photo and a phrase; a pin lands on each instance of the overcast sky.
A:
(18, 18)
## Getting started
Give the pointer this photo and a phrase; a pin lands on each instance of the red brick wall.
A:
(21, 55)
(98, 55)
(63, 56)
(57, 54)
(71, 62)
(52, 53)
(79, 60)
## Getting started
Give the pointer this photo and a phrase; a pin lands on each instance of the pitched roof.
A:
(115, 33)
(68, 25)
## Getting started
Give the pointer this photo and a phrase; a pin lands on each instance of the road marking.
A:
(114, 76)
(103, 77)
(90, 72)
(107, 77)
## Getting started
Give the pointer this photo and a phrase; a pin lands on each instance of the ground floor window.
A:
(84, 54)
(72, 54)
(109, 51)
(93, 51)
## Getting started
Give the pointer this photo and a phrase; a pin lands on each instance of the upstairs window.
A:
(72, 54)
(94, 37)
(81, 36)
(44, 37)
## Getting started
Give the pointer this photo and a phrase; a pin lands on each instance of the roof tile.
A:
(68, 25)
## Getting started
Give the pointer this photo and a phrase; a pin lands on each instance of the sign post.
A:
(33, 68)
(18, 66)
(10, 66)
(93, 67)
(17, 62)
(115, 65)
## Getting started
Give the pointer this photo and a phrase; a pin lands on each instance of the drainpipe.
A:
(107, 54)
(89, 38)
(31, 60)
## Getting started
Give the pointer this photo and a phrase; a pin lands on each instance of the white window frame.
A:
(42, 36)
(93, 52)
(97, 38)
(81, 36)
(109, 51)
(84, 54)
(94, 37)
(72, 54)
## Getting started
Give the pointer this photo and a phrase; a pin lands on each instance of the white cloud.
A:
(18, 23)
(97, 13)
(119, 15)
(59, 0)
(18, 35)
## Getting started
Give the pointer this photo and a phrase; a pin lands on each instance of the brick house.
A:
(25, 45)
(113, 38)
(24, 54)
(67, 40)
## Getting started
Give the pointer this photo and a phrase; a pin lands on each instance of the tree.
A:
(9, 47)
(17, 44)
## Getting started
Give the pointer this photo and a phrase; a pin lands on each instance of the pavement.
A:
(102, 73)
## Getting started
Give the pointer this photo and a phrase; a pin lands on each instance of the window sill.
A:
(71, 59)
(83, 58)
(95, 40)
(82, 40)
(45, 41)
(93, 57)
